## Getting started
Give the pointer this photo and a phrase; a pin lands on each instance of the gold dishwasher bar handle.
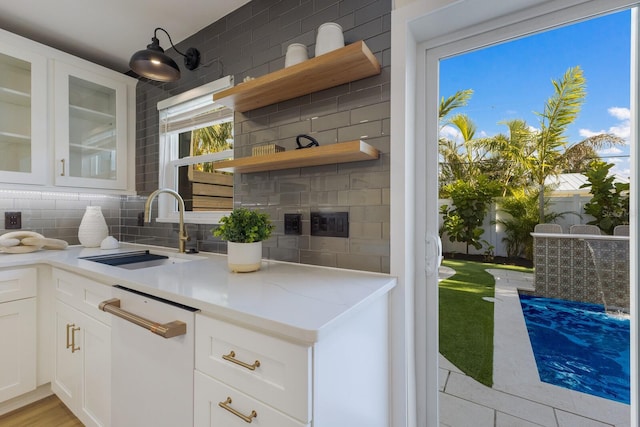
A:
(167, 330)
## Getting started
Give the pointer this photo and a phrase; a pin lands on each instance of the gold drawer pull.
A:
(245, 418)
(231, 358)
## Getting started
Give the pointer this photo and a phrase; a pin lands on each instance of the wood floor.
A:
(48, 412)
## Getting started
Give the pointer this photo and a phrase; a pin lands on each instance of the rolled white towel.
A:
(6, 243)
(44, 242)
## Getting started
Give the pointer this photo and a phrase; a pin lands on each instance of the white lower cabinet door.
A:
(218, 405)
(82, 371)
(95, 384)
(17, 348)
(66, 371)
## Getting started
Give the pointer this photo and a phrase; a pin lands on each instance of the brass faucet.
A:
(183, 237)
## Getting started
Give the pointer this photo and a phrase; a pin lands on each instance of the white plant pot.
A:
(244, 257)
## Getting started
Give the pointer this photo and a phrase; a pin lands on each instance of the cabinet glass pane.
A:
(92, 130)
(15, 114)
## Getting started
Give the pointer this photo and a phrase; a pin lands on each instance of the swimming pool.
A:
(578, 346)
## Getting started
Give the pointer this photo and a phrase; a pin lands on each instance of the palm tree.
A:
(461, 160)
(522, 217)
(211, 139)
(577, 157)
(551, 152)
(465, 160)
(559, 112)
(510, 154)
(457, 100)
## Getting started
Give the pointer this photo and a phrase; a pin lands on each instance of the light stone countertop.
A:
(296, 301)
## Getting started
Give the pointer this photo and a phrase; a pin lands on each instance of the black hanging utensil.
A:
(313, 142)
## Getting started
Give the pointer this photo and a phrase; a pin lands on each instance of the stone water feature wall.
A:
(582, 268)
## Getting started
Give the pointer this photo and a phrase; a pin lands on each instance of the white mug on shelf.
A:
(329, 38)
(296, 53)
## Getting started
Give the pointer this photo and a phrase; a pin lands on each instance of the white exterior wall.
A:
(494, 233)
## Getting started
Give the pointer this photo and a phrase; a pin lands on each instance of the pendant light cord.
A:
(170, 41)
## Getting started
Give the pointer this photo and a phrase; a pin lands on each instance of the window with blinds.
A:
(195, 133)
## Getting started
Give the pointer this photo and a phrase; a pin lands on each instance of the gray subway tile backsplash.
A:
(252, 41)
(331, 121)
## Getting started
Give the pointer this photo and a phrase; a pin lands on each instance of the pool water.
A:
(578, 346)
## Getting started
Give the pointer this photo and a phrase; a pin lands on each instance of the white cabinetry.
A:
(339, 381)
(91, 129)
(23, 125)
(63, 121)
(82, 367)
(17, 332)
(259, 368)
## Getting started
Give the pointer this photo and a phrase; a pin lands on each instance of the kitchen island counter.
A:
(296, 301)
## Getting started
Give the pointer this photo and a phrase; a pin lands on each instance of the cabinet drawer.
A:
(82, 293)
(17, 284)
(209, 394)
(283, 377)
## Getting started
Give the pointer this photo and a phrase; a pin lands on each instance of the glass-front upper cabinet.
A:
(91, 129)
(23, 116)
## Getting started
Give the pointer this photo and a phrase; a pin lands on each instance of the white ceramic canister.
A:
(93, 228)
(329, 38)
(296, 53)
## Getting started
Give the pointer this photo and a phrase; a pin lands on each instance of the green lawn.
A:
(466, 320)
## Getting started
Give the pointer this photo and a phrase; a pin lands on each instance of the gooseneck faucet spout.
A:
(183, 237)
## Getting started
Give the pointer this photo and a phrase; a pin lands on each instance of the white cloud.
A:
(450, 132)
(625, 173)
(620, 113)
(586, 133)
(621, 167)
(622, 129)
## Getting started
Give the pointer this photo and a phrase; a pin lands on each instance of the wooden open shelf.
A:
(342, 152)
(347, 64)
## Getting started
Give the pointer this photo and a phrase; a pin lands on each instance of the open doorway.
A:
(422, 34)
(515, 117)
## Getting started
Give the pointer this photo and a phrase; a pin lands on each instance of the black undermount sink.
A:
(135, 260)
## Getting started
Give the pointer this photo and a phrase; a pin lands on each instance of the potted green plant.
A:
(244, 230)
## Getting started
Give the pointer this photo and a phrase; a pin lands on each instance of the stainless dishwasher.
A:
(152, 356)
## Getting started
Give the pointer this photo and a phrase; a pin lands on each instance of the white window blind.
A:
(194, 114)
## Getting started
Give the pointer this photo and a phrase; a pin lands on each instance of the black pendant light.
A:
(153, 64)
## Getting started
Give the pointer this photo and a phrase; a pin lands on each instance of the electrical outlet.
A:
(292, 223)
(140, 219)
(334, 224)
(12, 220)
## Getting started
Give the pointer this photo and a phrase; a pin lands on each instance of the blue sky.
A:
(513, 80)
